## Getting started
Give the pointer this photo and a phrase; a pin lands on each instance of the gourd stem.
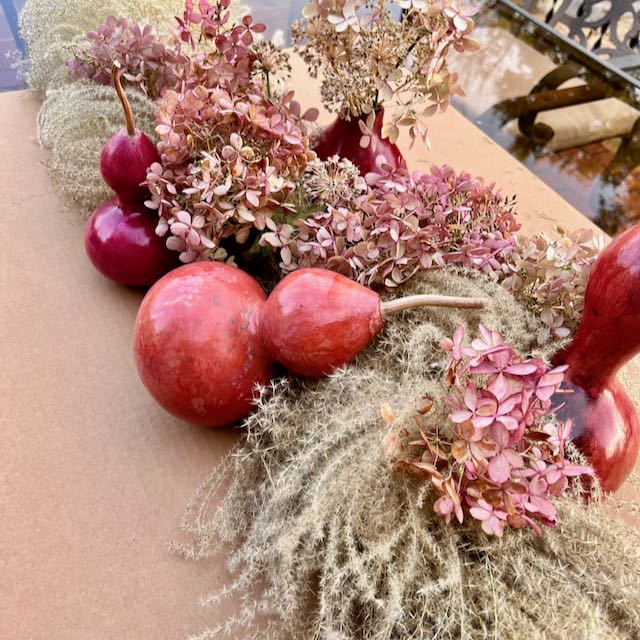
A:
(128, 113)
(426, 300)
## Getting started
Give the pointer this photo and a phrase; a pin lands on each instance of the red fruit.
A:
(606, 427)
(196, 343)
(343, 137)
(122, 245)
(126, 157)
(317, 320)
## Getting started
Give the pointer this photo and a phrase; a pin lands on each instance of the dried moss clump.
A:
(349, 549)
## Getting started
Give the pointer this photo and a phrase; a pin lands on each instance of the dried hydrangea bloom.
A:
(405, 223)
(549, 276)
(500, 457)
(207, 46)
(368, 58)
(151, 62)
(229, 163)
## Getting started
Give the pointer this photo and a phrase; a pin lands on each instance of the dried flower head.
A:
(500, 457)
(549, 276)
(368, 58)
(229, 163)
(208, 46)
(405, 223)
(333, 181)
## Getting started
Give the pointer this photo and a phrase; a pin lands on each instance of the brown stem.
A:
(413, 302)
(128, 113)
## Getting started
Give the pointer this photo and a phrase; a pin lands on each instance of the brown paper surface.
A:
(93, 475)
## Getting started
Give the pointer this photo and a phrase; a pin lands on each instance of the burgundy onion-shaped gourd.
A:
(343, 138)
(122, 244)
(120, 237)
(606, 427)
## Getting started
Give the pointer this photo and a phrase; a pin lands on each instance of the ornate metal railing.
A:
(609, 28)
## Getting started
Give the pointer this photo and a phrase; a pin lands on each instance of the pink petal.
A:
(573, 470)
(471, 397)
(499, 469)
(482, 422)
(509, 422)
(460, 416)
(522, 368)
(479, 514)
(499, 387)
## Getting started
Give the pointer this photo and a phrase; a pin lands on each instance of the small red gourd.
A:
(317, 320)
(127, 156)
(196, 343)
(606, 427)
(120, 238)
(343, 137)
(122, 245)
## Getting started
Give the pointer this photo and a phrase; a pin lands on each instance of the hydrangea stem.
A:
(116, 74)
(426, 300)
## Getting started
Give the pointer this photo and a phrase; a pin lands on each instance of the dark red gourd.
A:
(122, 245)
(127, 156)
(343, 137)
(120, 237)
(196, 343)
(317, 320)
(606, 427)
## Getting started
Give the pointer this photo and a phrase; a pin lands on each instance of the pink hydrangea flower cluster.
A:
(229, 163)
(151, 62)
(501, 459)
(206, 48)
(405, 223)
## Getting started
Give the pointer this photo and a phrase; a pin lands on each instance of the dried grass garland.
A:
(350, 550)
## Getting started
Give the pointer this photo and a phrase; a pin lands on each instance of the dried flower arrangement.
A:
(368, 59)
(319, 501)
(499, 457)
(316, 506)
(269, 192)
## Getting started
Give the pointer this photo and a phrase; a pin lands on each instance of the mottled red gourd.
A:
(196, 343)
(316, 320)
(120, 238)
(205, 337)
(342, 138)
(606, 425)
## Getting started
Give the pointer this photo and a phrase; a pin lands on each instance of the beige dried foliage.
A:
(348, 549)
(75, 121)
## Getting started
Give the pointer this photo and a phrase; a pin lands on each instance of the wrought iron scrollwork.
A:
(610, 28)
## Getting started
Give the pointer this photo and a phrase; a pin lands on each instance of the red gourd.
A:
(606, 427)
(205, 337)
(343, 137)
(120, 237)
(127, 156)
(317, 320)
(122, 245)
(196, 343)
